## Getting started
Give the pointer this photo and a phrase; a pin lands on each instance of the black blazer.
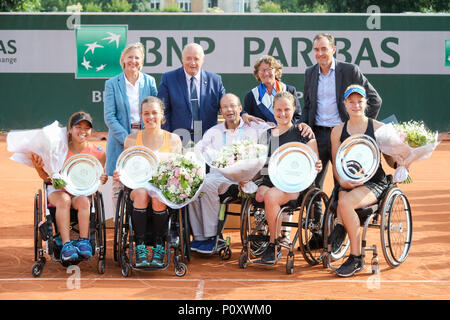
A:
(252, 109)
(346, 74)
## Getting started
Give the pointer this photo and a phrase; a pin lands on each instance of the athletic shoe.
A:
(207, 246)
(69, 252)
(269, 254)
(351, 266)
(84, 248)
(195, 245)
(141, 256)
(158, 256)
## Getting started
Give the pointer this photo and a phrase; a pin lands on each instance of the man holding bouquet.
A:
(204, 212)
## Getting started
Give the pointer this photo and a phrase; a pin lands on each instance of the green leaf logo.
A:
(447, 53)
(98, 50)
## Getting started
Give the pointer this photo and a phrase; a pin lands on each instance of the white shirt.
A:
(327, 114)
(133, 99)
(215, 136)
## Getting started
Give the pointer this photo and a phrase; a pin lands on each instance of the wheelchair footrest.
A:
(258, 238)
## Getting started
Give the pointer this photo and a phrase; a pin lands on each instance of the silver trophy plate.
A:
(136, 166)
(82, 174)
(357, 158)
(292, 167)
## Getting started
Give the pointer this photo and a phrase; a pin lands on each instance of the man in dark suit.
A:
(325, 84)
(191, 95)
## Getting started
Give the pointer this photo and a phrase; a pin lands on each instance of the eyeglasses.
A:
(268, 70)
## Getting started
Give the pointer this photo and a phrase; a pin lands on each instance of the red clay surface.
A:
(424, 275)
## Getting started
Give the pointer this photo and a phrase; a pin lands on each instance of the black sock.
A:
(160, 221)
(139, 220)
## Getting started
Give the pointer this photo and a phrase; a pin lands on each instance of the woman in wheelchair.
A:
(79, 131)
(157, 139)
(352, 195)
(273, 198)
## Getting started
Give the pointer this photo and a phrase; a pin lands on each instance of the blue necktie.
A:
(194, 101)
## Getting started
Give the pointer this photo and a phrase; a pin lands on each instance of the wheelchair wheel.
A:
(122, 232)
(310, 225)
(184, 232)
(37, 221)
(396, 227)
(117, 224)
(329, 224)
(255, 230)
(100, 232)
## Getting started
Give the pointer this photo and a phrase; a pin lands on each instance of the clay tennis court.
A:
(424, 275)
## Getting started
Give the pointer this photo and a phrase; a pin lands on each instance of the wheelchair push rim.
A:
(396, 227)
(310, 228)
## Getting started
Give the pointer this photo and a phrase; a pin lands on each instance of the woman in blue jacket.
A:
(123, 96)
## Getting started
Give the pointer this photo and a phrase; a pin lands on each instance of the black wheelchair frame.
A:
(176, 244)
(391, 215)
(255, 233)
(46, 231)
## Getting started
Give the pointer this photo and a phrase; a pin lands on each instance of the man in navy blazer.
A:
(175, 91)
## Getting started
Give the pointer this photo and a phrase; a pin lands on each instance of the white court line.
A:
(202, 281)
(199, 294)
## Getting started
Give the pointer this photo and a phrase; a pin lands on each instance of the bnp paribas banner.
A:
(61, 61)
(94, 51)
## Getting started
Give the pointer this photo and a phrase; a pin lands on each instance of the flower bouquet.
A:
(239, 162)
(50, 143)
(178, 180)
(406, 142)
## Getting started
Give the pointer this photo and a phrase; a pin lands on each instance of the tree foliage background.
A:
(322, 6)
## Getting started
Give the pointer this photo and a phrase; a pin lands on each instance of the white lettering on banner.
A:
(235, 51)
(97, 96)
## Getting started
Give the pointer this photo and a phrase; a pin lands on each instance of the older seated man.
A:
(204, 212)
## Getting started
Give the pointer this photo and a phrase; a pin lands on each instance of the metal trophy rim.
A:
(344, 171)
(280, 154)
(70, 163)
(131, 182)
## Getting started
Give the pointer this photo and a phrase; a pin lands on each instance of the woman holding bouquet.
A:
(273, 198)
(79, 131)
(157, 139)
(353, 195)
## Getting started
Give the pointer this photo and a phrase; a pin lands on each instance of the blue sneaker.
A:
(69, 252)
(195, 245)
(84, 247)
(142, 256)
(207, 246)
(158, 256)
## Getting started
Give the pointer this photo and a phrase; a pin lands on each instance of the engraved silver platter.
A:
(357, 158)
(82, 174)
(136, 166)
(292, 167)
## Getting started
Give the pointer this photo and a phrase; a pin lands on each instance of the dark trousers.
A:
(324, 147)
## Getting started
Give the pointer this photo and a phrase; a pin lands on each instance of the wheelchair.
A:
(45, 231)
(309, 233)
(230, 197)
(176, 243)
(391, 215)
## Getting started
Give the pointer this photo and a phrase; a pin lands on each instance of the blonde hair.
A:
(272, 62)
(130, 47)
